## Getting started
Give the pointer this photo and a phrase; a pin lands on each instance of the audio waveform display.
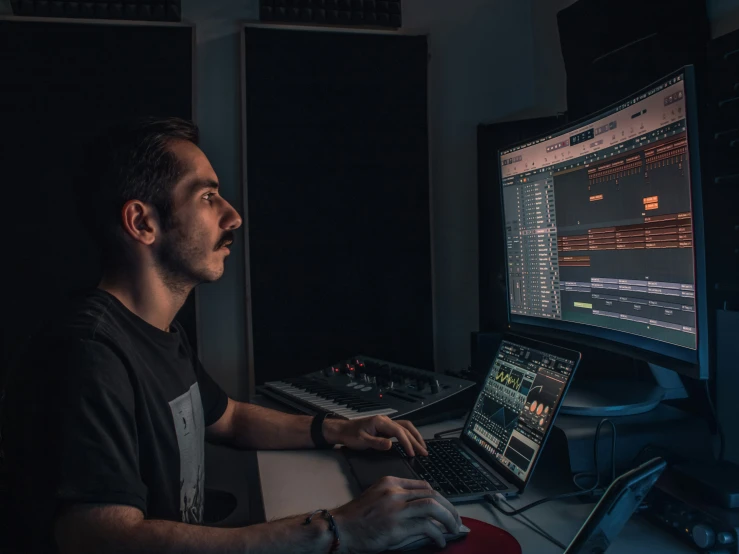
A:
(509, 379)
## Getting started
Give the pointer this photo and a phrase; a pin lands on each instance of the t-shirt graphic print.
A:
(187, 411)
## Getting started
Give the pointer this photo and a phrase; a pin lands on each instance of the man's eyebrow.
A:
(200, 184)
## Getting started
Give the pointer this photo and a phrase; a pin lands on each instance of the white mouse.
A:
(419, 541)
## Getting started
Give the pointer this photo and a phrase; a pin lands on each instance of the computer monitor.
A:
(604, 230)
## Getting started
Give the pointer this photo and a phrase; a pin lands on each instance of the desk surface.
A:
(295, 482)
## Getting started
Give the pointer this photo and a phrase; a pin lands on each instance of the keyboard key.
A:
(453, 472)
(459, 485)
(448, 489)
(325, 399)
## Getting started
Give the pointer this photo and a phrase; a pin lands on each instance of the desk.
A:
(295, 482)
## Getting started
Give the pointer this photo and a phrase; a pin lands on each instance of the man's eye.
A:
(208, 195)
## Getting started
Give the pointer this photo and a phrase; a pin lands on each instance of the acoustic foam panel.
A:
(338, 199)
(156, 10)
(376, 13)
(61, 84)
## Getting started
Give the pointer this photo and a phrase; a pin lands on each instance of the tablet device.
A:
(615, 508)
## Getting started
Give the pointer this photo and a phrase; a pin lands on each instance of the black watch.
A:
(316, 431)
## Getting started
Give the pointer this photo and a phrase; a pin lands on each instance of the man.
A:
(106, 414)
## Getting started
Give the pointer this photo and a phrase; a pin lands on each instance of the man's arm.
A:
(386, 514)
(114, 529)
(248, 426)
(254, 427)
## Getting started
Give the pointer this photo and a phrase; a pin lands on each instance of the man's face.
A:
(193, 250)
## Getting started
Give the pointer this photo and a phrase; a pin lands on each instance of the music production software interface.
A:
(599, 223)
(515, 408)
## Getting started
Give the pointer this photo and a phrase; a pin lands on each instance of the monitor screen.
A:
(599, 225)
(518, 403)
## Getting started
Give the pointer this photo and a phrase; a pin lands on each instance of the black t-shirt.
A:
(106, 408)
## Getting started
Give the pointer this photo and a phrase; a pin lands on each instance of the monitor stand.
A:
(622, 397)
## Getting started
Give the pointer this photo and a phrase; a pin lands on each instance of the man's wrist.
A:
(320, 534)
(343, 527)
(332, 430)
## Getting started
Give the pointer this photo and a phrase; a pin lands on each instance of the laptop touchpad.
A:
(369, 466)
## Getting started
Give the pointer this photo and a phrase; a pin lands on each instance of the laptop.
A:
(503, 436)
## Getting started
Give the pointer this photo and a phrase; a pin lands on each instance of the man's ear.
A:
(140, 221)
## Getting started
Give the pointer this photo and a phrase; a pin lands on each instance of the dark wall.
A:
(338, 199)
(61, 84)
(613, 47)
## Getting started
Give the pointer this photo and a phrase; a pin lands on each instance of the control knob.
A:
(434, 386)
(704, 536)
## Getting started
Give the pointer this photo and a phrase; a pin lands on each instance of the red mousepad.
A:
(483, 538)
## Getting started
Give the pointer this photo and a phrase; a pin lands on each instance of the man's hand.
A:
(374, 432)
(391, 511)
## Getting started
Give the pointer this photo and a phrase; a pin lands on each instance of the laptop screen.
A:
(514, 411)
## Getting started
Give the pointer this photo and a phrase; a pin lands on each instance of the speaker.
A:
(613, 47)
(338, 226)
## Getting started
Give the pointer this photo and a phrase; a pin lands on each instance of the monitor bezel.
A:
(689, 362)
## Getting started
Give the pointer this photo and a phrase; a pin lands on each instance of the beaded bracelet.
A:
(331, 526)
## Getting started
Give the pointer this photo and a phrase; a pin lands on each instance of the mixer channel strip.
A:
(324, 398)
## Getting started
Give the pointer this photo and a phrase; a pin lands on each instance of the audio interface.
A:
(709, 529)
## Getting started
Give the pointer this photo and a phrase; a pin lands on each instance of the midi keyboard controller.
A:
(362, 386)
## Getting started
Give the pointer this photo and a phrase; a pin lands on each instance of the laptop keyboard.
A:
(451, 471)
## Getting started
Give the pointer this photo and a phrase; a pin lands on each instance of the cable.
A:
(538, 529)
(581, 492)
(449, 431)
(719, 430)
(595, 454)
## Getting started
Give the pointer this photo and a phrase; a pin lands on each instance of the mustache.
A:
(227, 238)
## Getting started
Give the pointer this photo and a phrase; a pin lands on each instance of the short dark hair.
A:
(130, 161)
